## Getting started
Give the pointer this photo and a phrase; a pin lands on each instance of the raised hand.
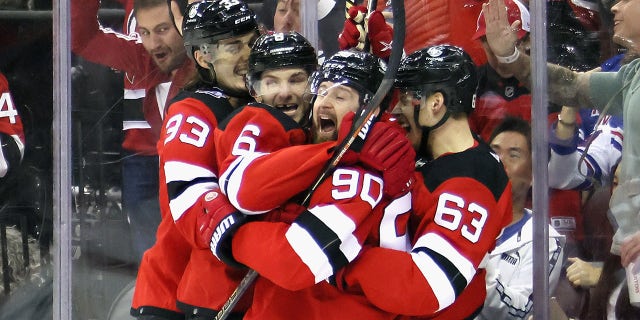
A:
(501, 36)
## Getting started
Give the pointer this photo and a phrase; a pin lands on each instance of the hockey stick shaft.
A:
(365, 118)
(370, 8)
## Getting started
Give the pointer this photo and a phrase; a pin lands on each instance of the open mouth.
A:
(327, 124)
(160, 56)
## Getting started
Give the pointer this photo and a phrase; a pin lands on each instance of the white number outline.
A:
(351, 178)
(198, 128)
(10, 110)
(451, 217)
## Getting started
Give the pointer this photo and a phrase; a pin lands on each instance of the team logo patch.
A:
(434, 52)
(193, 11)
(210, 196)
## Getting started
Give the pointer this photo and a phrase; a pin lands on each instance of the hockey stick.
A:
(359, 131)
(370, 7)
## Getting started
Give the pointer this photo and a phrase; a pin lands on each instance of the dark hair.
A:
(146, 4)
(514, 124)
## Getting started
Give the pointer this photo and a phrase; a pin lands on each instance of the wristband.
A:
(510, 59)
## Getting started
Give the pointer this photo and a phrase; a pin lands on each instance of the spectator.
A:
(433, 22)
(284, 16)
(155, 67)
(510, 265)
(500, 94)
(600, 90)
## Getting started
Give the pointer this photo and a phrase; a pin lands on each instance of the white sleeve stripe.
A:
(231, 180)
(436, 278)
(438, 244)
(135, 124)
(182, 171)
(4, 166)
(307, 249)
(306, 242)
(19, 143)
(188, 198)
(342, 226)
(132, 94)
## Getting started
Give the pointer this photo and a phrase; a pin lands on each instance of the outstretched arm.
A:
(566, 87)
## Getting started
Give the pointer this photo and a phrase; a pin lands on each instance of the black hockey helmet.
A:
(359, 70)
(280, 50)
(441, 68)
(209, 21)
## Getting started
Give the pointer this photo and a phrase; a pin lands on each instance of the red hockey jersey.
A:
(204, 292)
(461, 203)
(312, 243)
(188, 169)
(10, 128)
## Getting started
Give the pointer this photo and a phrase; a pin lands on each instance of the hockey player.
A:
(217, 36)
(461, 201)
(11, 132)
(278, 68)
(343, 213)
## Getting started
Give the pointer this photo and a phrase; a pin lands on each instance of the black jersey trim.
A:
(325, 237)
(475, 163)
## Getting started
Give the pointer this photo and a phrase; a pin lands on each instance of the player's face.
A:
(626, 26)
(333, 101)
(514, 152)
(160, 36)
(403, 112)
(284, 89)
(229, 58)
(287, 16)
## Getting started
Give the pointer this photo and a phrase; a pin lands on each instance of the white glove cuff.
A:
(510, 59)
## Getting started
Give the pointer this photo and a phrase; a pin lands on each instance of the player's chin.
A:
(324, 136)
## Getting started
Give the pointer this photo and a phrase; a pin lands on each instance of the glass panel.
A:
(26, 205)
(114, 172)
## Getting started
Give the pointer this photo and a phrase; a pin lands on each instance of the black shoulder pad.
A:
(216, 100)
(478, 163)
(286, 121)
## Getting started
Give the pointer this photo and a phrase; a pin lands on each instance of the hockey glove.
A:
(353, 34)
(379, 33)
(386, 150)
(217, 223)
